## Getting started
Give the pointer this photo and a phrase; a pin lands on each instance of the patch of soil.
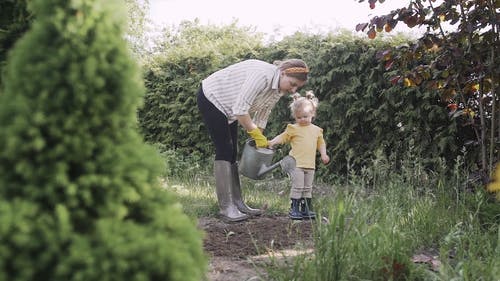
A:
(233, 248)
(254, 236)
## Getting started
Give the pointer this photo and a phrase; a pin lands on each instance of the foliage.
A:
(217, 42)
(80, 196)
(15, 19)
(457, 58)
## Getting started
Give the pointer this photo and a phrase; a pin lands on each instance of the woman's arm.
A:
(253, 130)
(246, 122)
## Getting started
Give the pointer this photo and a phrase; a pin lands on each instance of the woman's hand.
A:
(260, 139)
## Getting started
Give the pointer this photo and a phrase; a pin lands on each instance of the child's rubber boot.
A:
(295, 213)
(306, 209)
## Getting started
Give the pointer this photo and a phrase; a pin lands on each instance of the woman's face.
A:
(290, 85)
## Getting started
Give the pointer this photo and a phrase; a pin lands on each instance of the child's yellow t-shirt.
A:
(305, 141)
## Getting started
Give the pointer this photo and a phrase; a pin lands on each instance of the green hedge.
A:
(360, 110)
(80, 192)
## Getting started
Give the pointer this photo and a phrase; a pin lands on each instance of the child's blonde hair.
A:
(300, 102)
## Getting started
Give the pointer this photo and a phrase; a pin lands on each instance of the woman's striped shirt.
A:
(247, 87)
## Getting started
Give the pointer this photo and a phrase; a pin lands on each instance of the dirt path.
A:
(239, 250)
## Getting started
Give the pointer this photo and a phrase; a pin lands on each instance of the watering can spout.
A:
(256, 162)
(265, 170)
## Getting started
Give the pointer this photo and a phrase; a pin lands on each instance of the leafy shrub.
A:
(80, 196)
(360, 111)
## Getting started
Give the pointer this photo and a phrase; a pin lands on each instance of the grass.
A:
(197, 194)
(376, 222)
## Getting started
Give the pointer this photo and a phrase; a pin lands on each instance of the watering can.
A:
(256, 162)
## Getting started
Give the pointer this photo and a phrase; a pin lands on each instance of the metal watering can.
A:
(256, 162)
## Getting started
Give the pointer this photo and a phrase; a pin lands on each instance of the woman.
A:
(243, 93)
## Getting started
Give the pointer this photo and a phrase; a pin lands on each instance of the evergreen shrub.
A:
(80, 191)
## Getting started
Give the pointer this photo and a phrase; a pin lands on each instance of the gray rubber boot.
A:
(223, 181)
(238, 199)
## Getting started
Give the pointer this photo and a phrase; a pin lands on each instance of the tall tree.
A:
(137, 27)
(15, 19)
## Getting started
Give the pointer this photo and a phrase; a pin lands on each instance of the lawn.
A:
(376, 225)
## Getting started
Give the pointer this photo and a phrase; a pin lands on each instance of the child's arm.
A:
(284, 137)
(324, 157)
(275, 141)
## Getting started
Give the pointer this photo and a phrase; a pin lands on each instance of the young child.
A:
(305, 139)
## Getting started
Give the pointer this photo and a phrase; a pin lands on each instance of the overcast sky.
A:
(267, 16)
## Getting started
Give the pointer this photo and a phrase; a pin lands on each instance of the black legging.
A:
(224, 135)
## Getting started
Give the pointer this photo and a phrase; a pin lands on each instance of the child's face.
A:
(304, 116)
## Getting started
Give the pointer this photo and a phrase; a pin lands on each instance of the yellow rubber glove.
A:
(259, 138)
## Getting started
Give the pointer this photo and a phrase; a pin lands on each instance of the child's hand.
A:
(271, 144)
(325, 158)
(274, 142)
